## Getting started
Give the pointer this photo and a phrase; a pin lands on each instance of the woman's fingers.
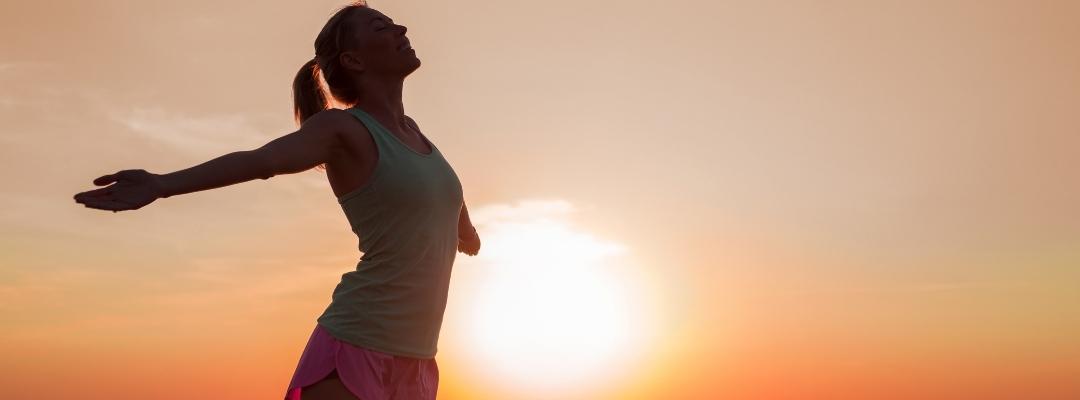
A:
(100, 181)
(92, 193)
(105, 179)
(106, 204)
(468, 248)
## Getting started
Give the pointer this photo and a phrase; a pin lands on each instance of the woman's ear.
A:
(351, 61)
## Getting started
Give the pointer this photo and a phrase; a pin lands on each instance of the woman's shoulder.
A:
(337, 115)
(340, 120)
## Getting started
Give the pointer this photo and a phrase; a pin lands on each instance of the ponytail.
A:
(308, 95)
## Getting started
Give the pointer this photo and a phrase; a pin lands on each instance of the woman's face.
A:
(379, 45)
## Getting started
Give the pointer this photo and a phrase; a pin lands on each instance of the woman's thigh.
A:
(329, 388)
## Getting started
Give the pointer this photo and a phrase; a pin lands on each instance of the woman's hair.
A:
(308, 95)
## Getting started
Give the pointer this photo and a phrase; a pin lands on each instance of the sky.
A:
(687, 199)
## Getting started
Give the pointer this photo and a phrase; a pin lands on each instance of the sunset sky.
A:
(677, 200)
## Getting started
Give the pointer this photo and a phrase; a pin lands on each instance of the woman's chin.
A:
(414, 65)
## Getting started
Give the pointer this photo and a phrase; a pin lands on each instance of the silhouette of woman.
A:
(378, 337)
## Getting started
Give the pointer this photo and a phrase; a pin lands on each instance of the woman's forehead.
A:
(360, 21)
(368, 15)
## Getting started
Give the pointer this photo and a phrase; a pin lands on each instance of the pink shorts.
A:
(368, 374)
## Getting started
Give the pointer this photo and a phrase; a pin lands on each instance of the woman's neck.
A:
(382, 98)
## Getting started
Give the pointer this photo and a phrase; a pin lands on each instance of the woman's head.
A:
(358, 44)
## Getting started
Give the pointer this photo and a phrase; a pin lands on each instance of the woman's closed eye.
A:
(380, 24)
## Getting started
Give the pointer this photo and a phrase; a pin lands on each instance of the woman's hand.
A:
(134, 189)
(469, 243)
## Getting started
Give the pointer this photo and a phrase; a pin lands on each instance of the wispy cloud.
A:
(922, 287)
(17, 91)
(539, 227)
(215, 280)
(522, 210)
(7, 67)
(202, 135)
(197, 134)
(57, 214)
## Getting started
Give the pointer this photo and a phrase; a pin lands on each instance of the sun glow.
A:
(552, 308)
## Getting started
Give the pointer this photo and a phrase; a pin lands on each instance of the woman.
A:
(377, 338)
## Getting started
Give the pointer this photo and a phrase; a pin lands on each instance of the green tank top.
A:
(406, 219)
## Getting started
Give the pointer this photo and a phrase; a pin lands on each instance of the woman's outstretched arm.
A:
(298, 151)
(313, 144)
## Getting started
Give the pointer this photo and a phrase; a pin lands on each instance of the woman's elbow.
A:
(262, 165)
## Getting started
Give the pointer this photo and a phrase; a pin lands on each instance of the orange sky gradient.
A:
(781, 200)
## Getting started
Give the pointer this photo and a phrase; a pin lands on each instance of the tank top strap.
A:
(378, 133)
(387, 141)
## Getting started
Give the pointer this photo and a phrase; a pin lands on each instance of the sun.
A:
(550, 308)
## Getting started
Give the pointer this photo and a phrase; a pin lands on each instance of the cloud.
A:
(540, 227)
(12, 68)
(201, 135)
(954, 286)
(521, 211)
(21, 87)
(924, 287)
(56, 214)
(250, 280)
